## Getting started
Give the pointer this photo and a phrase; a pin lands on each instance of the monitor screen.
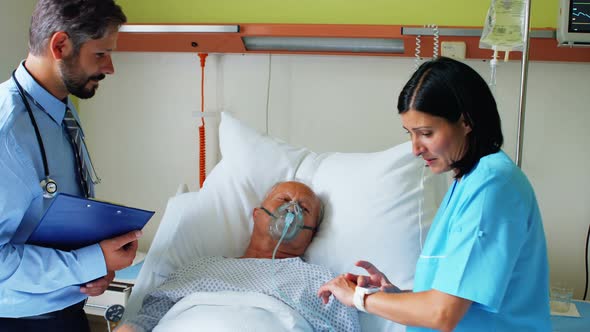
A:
(573, 26)
(579, 16)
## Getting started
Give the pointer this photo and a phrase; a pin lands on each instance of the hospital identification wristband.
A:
(359, 296)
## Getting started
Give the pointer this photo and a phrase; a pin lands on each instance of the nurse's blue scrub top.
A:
(487, 244)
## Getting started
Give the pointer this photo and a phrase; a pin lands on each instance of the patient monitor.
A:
(573, 26)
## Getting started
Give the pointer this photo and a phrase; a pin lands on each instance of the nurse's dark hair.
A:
(82, 20)
(450, 89)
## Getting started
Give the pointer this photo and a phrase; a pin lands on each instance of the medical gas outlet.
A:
(453, 49)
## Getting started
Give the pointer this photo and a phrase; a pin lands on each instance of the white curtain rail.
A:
(467, 32)
(159, 28)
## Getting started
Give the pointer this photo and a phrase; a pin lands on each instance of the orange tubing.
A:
(202, 150)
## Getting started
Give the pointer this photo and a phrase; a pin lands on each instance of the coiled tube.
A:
(435, 45)
(417, 51)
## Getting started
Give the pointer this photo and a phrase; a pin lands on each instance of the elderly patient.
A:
(290, 280)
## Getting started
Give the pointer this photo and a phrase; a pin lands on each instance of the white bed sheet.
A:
(231, 311)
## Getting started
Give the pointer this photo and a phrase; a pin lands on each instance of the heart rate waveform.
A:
(580, 16)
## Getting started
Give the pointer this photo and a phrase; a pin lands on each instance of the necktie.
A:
(75, 134)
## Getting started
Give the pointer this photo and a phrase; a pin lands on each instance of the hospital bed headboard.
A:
(378, 207)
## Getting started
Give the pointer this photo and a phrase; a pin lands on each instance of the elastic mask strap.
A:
(267, 212)
(313, 229)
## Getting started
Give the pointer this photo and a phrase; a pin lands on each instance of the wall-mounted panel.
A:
(543, 45)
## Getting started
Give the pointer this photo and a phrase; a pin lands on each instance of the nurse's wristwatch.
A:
(359, 296)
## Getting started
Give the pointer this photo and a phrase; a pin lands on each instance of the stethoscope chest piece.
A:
(49, 187)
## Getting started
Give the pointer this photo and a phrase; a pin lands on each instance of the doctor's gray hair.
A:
(82, 20)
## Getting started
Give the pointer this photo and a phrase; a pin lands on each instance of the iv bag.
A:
(504, 26)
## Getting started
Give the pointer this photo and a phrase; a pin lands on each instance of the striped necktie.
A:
(76, 138)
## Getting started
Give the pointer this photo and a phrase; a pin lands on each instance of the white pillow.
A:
(378, 207)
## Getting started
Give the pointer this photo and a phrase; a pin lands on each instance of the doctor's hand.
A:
(341, 287)
(119, 251)
(375, 278)
(98, 286)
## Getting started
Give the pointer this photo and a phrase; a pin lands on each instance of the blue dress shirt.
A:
(36, 280)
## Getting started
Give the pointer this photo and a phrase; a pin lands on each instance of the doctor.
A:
(70, 47)
(484, 263)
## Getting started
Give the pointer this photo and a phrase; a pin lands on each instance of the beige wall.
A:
(14, 33)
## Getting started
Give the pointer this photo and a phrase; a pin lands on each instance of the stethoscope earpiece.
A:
(49, 187)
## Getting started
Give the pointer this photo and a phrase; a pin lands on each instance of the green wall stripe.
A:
(396, 12)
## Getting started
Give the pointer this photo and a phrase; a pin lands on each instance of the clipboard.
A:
(72, 222)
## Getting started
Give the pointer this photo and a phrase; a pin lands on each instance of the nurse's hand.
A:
(341, 287)
(119, 251)
(98, 286)
(375, 278)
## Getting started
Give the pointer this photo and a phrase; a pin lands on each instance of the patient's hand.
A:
(375, 278)
(341, 287)
(98, 286)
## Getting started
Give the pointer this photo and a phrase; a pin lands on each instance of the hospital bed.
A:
(378, 207)
(111, 304)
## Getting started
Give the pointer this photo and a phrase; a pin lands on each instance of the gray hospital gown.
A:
(296, 280)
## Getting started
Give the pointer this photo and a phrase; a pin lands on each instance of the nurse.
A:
(484, 263)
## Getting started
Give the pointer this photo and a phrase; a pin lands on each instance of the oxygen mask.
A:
(287, 221)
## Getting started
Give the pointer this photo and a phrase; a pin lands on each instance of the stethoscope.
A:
(48, 185)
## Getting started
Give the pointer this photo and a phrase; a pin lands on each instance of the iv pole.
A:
(523, 84)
